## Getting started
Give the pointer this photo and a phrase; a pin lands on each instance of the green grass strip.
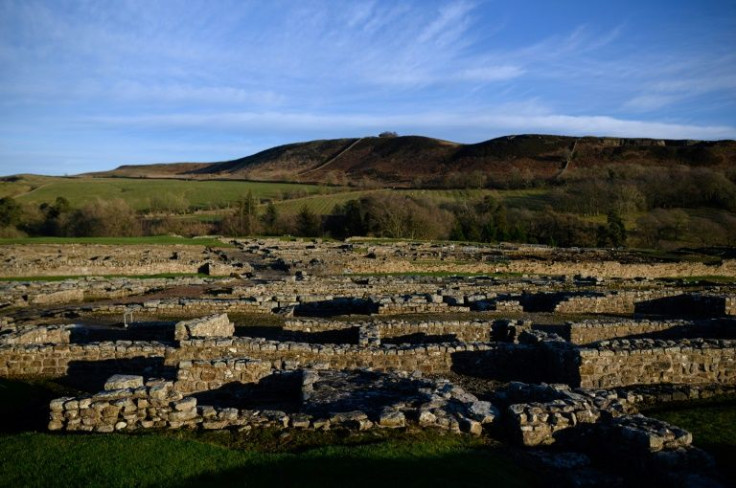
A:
(114, 460)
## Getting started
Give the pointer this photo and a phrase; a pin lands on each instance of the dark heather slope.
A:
(402, 161)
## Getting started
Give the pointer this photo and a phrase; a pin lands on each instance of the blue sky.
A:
(89, 85)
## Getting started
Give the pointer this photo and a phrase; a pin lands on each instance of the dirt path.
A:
(331, 160)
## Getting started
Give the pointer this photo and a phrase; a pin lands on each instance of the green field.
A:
(138, 193)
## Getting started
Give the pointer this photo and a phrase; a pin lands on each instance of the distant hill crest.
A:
(406, 160)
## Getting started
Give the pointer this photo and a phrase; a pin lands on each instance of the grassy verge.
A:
(118, 241)
(713, 426)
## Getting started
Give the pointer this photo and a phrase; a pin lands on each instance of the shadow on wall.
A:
(530, 363)
(683, 306)
(24, 405)
(90, 376)
(280, 391)
(719, 329)
(141, 331)
(420, 338)
(338, 306)
(546, 302)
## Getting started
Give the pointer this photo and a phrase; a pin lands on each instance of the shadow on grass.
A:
(24, 405)
(340, 467)
(180, 460)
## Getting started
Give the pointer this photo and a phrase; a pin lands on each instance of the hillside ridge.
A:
(408, 160)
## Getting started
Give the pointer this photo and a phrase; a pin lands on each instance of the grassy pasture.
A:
(138, 193)
(289, 197)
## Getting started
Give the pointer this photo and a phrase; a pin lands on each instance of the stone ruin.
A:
(562, 361)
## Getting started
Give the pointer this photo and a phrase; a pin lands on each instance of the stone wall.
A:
(194, 376)
(430, 358)
(462, 330)
(587, 332)
(644, 361)
(129, 403)
(48, 334)
(622, 302)
(56, 360)
(58, 297)
(97, 259)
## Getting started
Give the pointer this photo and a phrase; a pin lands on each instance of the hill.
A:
(162, 170)
(409, 160)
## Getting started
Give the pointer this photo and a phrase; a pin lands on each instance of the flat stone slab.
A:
(123, 381)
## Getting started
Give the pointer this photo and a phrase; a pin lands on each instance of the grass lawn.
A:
(118, 460)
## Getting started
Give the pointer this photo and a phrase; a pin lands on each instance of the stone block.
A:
(122, 381)
(206, 327)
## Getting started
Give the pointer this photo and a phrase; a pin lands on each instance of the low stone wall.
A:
(194, 376)
(645, 396)
(129, 403)
(47, 334)
(56, 360)
(593, 331)
(430, 358)
(509, 306)
(58, 297)
(463, 330)
(645, 361)
(98, 259)
(623, 302)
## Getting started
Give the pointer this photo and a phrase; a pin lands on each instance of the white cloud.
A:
(502, 122)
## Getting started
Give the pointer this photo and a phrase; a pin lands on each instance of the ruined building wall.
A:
(55, 360)
(614, 303)
(639, 362)
(194, 376)
(463, 330)
(593, 331)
